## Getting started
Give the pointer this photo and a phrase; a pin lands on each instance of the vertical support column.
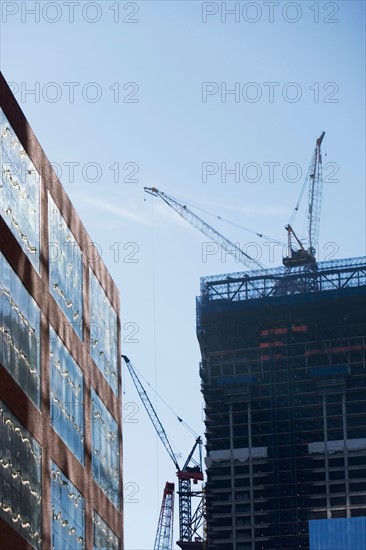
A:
(346, 472)
(232, 472)
(325, 429)
(251, 481)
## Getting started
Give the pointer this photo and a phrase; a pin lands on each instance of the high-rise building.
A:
(60, 386)
(284, 382)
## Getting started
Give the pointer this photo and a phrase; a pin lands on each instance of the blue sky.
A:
(159, 131)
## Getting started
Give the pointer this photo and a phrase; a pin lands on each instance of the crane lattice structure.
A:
(164, 533)
(189, 524)
(314, 179)
(206, 229)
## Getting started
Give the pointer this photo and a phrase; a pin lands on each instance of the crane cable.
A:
(261, 235)
(298, 201)
(154, 333)
(303, 189)
(180, 419)
(155, 362)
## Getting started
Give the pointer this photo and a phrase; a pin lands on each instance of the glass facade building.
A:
(60, 440)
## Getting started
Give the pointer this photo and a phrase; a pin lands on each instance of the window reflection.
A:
(103, 333)
(67, 407)
(19, 332)
(20, 478)
(67, 525)
(19, 192)
(66, 275)
(105, 449)
(104, 538)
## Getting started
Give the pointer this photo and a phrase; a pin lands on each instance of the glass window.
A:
(19, 332)
(20, 478)
(104, 538)
(103, 333)
(105, 449)
(68, 521)
(66, 272)
(19, 192)
(67, 392)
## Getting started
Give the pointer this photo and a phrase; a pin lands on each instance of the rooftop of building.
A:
(330, 275)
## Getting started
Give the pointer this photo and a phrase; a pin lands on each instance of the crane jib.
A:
(197, 222)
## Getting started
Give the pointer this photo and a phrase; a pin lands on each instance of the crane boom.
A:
(151, 411)
(206, 229)
(314, 176)
(188, 523)
(315, 194)
(164, 533)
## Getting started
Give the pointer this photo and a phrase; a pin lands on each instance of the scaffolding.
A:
(279, 281)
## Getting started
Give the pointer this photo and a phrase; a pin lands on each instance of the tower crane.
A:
(206, 229)
(314, 177)
(189, 525)
(298, 255)
(164, 533)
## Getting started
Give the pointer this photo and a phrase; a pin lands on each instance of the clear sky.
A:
(134, 94)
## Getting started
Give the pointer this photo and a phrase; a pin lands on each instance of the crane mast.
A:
(315, 194)
(192, 471)
(206, 229)
(301, 256)
(164, 533)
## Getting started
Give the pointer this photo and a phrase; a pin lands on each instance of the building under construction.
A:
(284, 382)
